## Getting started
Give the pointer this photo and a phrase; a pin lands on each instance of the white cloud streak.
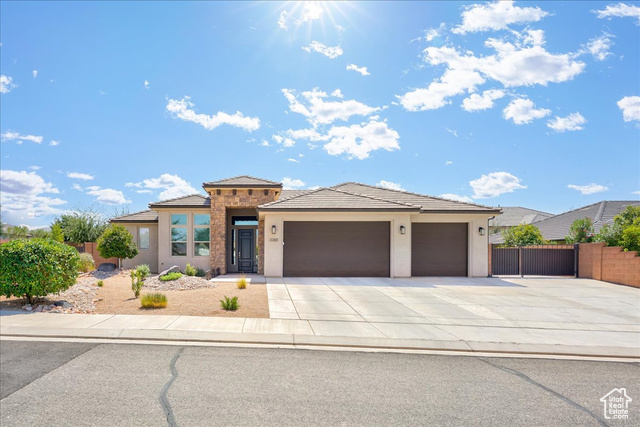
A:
(6, 84)
(108, 196)
(572, 122)
(15, 136)
(495, 184)
(183, 109)
(361, 70)
(389, 185)
(523, 111)
(620, 10)
(588, 189)
(329, 51)
(78, 175)
(477, 102)
(630, 106)
(497, 15)
(292, 184)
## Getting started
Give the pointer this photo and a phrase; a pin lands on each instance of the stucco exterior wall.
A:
(400, 262)
(165, 259)
(145, 256)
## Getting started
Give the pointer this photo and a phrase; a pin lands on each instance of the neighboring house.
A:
(252, 225)
(515, 215)
(557, 227)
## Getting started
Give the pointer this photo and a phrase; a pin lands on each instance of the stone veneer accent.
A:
(241, 200)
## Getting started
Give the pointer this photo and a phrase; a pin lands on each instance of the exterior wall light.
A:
(403, 230)
(273, 229)
(481, 231)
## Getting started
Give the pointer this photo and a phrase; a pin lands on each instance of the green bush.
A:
(117, 242)
(87, 263)
(81, 226)
(523, 235)
(37, 267)
(56, 233)
(174, 275)
(630, 239)
(190, 270)
(200, 272)
(581, 231)
(100, 283)
(229, 304)
(155, 300)
(242, 283)
(610, 234)
(137, 278)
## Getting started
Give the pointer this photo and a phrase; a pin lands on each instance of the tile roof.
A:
(514, 215)
(331, 199)
(242, 181)
(292, 193)
(191, 201)
(557, 227)
(426, 203)
(142, 216)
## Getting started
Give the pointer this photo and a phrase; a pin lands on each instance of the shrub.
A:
(81, 226)
(174, 275)
(137, 278)
(87, 263)
(36, 267)
(229, 304)
(155, 300)
(242, 283)
(630, 239)
(200, 272)
(56, 233)
(581, 231)
(100, 283)
(190, 270)
(523, 235)
(117, 242)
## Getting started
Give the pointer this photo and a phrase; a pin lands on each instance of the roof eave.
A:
(154, 206)
(214, 186)
(269, 209)
(461, 211)
(134, 221)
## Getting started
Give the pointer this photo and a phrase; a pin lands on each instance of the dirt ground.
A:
(116, 297)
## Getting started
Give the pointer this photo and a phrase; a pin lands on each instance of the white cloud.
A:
(523, 111)
(494, 184)
(54, 143)
(523, 62)
(144, 191)
(15, 136)
(630, 106)
(573, 121)
(284, 141)
(452, 132)
(293, 160)
(283, 20)
(77, 187)
(6, 84)
(183, 109)
(173, 186)
(146, 84)
(311, 11)
(496, 15)
(448, 163)
(35, 73)
(108, 196)
(620, 10)
(78, 175)
(329, 51)
(482, 102)
(359, 140)
(361, 70)
(320, 111)
(337, 93)
(390, 185)
(599, 47)
(589, 188)
(432, 33)
(34, 168)
(456, 197)
(291, 184)
(21, 195)
(636, 192)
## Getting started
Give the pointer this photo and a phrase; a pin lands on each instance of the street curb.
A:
(322, 341)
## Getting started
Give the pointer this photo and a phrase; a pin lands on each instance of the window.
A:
(143, 238)
(178, 235)
(244, 220)
(201, 234)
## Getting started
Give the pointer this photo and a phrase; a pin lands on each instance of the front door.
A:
(246, 250)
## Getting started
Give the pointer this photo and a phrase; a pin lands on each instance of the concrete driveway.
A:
(520, 310)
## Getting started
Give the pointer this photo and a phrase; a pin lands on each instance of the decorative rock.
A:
(39, 309)
(107, 266)
(27, 307)
(175, 269)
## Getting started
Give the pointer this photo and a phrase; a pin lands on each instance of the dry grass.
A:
(116, 298)
(154, 300)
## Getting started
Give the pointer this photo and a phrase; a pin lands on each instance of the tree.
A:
(56, 233)
(36, 267)
(16, 232)
(81, 226)
(630, 240)
(612, 234)
(523, 235)
(581, 231)
(117, 242)
(40, 233)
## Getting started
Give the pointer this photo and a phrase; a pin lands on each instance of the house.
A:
(557, 227)
(515, 215)
(252, 225)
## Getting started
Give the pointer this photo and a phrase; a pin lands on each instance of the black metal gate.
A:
(560, 260)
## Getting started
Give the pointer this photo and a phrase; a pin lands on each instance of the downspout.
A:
(489, 249)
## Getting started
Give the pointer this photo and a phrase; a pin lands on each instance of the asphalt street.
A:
(55, 383)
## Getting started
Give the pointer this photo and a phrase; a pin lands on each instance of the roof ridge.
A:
(397, 202)
(178, 198)
(293, 197)
(601, 209)
(529, 209)
(416, 194)
(132, 213)
(568, 212)
(244, 176)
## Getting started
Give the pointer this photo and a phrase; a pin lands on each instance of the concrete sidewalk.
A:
(457, 335)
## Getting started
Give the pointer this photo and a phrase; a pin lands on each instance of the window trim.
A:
(171, 241)
(148, 238)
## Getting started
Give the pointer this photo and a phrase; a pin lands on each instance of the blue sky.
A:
(115, 105)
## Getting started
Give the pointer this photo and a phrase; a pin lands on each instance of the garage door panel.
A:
(347, 249)
(439, 249)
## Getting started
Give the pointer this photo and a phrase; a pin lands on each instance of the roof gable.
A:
(190, 201)
(137, 217)
(331, 199)
(515, 215)
(242, 181)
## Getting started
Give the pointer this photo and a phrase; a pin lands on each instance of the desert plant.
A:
(84, 225)
(200, 272)
(229, 304)
(137, 278)
(100, 283)
(117, 242)
(155, 300)
(581, 231)
(523, 235)
(87, 263)
(37, 267)
(174, 275)
(242, 283)
(190, 270)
